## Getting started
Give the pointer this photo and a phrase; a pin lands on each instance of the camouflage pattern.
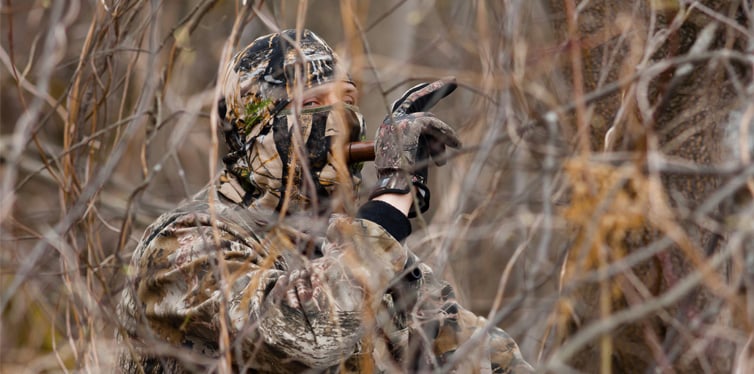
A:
(258, 85)
(261, 79)
(407, 137)
(313, 171)
(248, 277)
(342, 296)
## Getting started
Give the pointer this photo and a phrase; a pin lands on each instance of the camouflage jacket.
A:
(216, 285)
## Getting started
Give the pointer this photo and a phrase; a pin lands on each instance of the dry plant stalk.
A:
(600, 211)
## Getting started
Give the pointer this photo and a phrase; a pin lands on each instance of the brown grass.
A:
(600, 210)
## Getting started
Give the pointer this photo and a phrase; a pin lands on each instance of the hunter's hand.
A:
(408, 137)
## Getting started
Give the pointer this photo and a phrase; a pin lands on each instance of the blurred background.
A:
(599, 211)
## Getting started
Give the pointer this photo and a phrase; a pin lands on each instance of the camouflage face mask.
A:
(316, 135)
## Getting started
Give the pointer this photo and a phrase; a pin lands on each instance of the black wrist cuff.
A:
(422, 197)
(387, 216)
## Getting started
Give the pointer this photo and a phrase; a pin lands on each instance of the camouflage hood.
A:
(271, 144)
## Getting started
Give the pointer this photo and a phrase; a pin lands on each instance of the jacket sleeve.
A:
(462, 340)
(192, 276)
(492, 348)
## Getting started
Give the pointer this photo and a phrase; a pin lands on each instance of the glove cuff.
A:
(422, 198)
(400, 182)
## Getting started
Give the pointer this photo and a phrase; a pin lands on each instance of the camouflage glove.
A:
(408, 137)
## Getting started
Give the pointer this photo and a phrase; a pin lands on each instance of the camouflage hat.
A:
(258, 86)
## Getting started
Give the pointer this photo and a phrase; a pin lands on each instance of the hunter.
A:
(266, 270)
